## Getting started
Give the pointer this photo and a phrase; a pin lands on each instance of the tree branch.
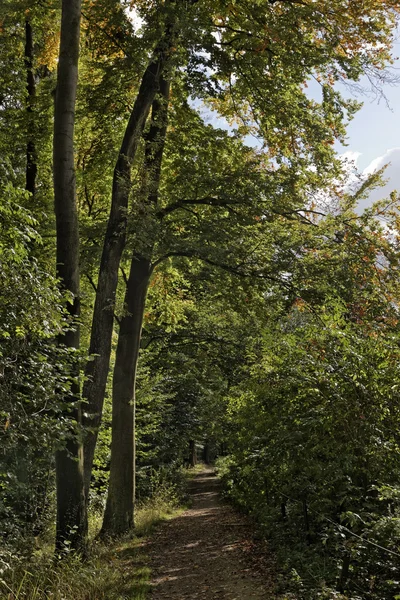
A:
(206, 201)
(225, 267)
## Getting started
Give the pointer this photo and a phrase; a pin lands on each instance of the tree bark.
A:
(102, 324)
(344, 574)
(119, 514)
(31, 157)
(207, 452)
(71, 506)
(192, 453)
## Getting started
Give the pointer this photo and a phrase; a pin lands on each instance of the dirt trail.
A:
(207, 552)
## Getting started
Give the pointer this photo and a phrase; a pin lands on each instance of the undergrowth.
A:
(115, 570)
(311, 559)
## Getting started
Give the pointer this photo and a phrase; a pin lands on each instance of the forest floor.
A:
(208, 552)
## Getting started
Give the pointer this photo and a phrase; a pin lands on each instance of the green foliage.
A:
(115, 570)
(269, 329)
(314, 426)
(34, 372)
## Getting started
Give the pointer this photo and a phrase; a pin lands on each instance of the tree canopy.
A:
(183, 266)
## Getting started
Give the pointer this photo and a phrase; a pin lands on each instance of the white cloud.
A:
(391, 175)
(351, 170)
(374, 165)
(351, 156)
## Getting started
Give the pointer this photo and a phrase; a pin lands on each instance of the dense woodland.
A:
(171, 286)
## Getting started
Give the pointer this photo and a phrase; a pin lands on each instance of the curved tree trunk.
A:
(71, 506)
(103, 316)
(118, 516)
(119, 513)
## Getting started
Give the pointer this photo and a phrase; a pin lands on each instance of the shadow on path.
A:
(205, 553)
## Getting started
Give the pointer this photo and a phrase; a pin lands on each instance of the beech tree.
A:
(159, 196)
(71, 506)
(31, 155)
(114, 242)
(259, 79)
(121, 493)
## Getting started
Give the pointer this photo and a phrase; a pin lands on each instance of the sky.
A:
(375, 129)
(373, 136)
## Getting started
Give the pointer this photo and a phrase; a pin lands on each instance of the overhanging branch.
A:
(206, 201)
(225, 267)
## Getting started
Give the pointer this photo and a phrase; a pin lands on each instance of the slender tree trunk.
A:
(102, 325)
(207, 452)
(119, 514)
(344, 574)
(306, 521)
(31, 158)
(71, 506)
(192, 453)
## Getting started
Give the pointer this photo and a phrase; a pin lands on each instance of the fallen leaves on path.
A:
(208, 553)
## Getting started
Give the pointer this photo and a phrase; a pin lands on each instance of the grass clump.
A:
(115, 570)
(164, 505)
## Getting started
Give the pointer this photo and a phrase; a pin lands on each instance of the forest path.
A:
(207, 552)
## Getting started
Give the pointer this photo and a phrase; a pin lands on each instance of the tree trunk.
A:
(102, 325)
(31, 165)
(344, 574)
(207, 452)
(306, 522)
(71, 506)
(119, 515)
(192, 453)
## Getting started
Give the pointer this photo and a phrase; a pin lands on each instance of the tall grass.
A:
(116, 570)
(112, 573)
